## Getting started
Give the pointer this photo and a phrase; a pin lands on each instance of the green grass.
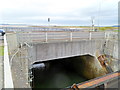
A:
(72, 26)
(108, 28)
(86, 27)
(1, 50)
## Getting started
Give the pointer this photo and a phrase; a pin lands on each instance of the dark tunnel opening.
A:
(59, 73)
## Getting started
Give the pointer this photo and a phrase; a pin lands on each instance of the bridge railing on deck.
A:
(58, 36)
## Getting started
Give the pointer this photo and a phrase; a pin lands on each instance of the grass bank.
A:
(1, 50)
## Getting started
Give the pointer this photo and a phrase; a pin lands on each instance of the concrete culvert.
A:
(88, 66)
(65, 72)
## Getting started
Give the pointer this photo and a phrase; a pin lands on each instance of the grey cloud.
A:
(24, 15)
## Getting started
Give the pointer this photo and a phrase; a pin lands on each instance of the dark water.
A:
(56, 74)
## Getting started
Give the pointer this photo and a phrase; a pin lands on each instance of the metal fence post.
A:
(46, 37)
(90, 36)
(105, 35)
(71, 36)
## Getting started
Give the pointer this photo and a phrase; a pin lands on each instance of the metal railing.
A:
(55, 36)
(103, 80)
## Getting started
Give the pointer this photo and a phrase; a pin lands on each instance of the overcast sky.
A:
(60, 12)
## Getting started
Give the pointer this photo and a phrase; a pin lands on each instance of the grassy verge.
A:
(108, 28)
(1, 50)
(73, 26)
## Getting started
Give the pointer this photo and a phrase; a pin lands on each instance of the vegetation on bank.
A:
(108, 28)
(85, 27)
(88, 27)
(1, 50)
(72, 26)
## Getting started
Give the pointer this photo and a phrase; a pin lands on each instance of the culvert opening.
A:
(61, 73)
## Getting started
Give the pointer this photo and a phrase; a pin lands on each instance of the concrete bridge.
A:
(31, 47)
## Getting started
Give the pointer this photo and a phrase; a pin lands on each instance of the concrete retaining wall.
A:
(49, 51)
